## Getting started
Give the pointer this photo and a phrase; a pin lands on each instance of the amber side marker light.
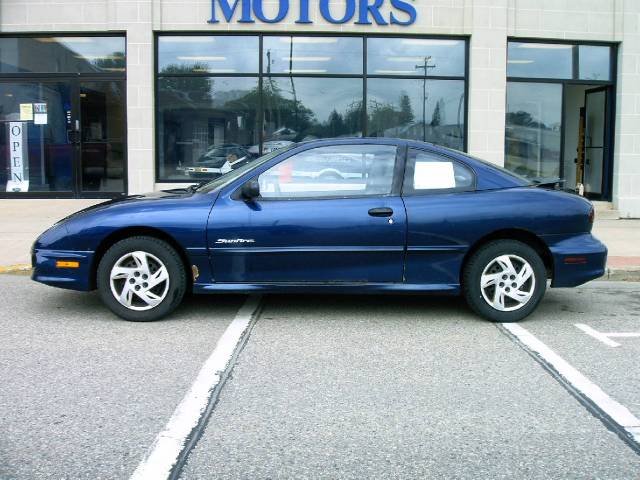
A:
(65, 264)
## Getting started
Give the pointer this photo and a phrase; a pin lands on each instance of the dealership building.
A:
(103, 98)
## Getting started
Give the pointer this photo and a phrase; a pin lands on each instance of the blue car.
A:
(404, 217)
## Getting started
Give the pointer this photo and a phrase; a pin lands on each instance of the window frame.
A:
(262, 76)
(409, 169)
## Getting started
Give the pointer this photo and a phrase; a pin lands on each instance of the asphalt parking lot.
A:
(325, 387)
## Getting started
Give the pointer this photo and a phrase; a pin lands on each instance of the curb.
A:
(631, 274)
(21, 268)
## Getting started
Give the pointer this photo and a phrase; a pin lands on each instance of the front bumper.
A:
(45, 271)
(576, 259)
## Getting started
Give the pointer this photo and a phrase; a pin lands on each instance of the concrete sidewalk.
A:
(21, 221)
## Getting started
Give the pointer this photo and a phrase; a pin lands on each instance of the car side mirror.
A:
(250, 190)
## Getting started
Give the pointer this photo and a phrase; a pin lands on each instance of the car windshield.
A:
(241, 170)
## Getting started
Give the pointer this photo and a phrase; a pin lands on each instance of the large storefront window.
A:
(63, 134)
(431, 110)
(221, 98)
(532, 137)
(201, 120)
(559, 113)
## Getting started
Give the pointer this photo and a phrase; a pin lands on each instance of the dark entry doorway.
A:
(587, 140)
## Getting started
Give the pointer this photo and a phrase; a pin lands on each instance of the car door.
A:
(329, 213)
(441, 203)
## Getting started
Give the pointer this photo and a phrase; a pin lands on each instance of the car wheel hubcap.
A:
(139, 281)
(507, 283)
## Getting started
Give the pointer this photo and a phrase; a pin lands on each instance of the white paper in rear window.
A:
(433, 175)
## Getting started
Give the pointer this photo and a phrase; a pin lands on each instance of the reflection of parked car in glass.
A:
(332, 166)
(284, 133)
(270, 146)
(219, 159)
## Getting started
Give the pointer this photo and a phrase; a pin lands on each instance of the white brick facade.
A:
(488, 23)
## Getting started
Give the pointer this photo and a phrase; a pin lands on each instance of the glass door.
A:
(37, 138)
(102, 136)
(64, 137)
(595, 141)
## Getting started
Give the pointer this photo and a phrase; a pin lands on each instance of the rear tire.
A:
(141, 279)
(504, 281)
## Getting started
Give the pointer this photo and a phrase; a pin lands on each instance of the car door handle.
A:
(381, 212)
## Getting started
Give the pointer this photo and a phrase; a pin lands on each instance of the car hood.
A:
(162, 195)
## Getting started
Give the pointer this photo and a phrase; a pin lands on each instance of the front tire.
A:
(141, 279)
(504, 281)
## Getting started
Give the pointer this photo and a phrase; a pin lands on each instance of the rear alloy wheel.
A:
(504, 281)
(141, 279)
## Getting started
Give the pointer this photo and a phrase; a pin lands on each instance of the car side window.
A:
(428, 172)
(335, 171)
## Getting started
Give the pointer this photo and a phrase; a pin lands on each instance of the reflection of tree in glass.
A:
(384, 115)
(406, 112)
(436, 118)
(338, 124)
(282, 112)
(194, 88)
(111, 63)
(524, 119)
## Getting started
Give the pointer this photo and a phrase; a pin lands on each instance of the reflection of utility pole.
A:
(293, 86)
(425, 66)
(270, 96)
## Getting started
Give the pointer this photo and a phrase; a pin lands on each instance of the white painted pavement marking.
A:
(597, 335)
(619, 413)
(169, 443)
(606, 337)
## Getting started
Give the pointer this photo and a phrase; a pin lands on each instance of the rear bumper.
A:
(576, 259)
(45, 271)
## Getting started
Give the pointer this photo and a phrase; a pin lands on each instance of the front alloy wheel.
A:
(504, 280)
(141, 279)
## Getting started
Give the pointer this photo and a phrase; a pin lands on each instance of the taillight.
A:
(592, 216)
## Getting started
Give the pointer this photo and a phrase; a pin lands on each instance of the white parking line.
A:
(597, 335)
(617, 412)
(169, 443)
(606, 337)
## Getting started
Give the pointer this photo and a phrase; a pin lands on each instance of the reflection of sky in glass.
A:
(448, 93)
(543, 101)
(400, 56)
(321, 95)
(539, 60)
(594, 62)
(91, 48)
(313, 55)
(213, 54)
(62, 54)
